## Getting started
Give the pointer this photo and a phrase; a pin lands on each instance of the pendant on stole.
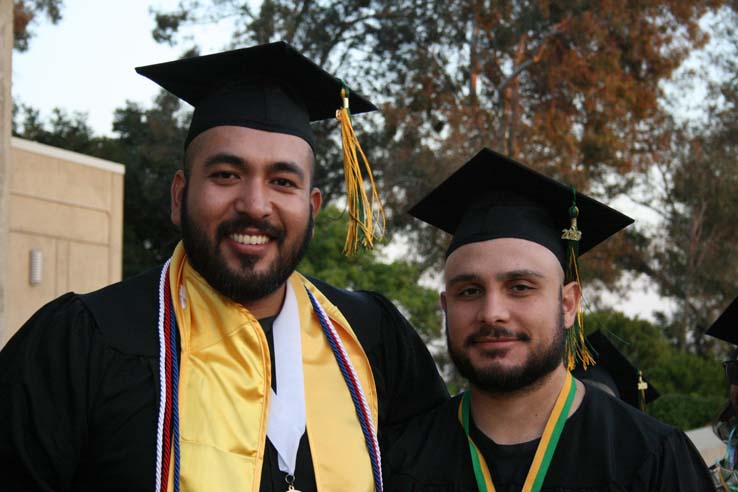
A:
(290, 479)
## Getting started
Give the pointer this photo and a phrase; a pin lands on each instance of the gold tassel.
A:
(576, 345)
(366, 215)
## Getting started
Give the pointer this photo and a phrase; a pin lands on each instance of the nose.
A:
(253, 199)
(494, 309)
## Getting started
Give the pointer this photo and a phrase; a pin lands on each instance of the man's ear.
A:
(442, 301)
(316, 200)
(571, 296)
(177, 195)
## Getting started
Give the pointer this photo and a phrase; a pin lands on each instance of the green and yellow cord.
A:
(366, 213)
(576, 345)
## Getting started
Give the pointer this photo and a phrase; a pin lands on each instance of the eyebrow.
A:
(501, 277)
(462, 277)
(276, 167)
(224, 158)
(517, 274)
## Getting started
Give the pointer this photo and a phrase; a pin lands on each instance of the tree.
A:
(150, 144)
(697, 266)
(63, 130)
(27, 12)
(692, 258)
(571, 88)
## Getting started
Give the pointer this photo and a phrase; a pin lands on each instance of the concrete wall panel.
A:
(88, 267)
(59, 220)
(70, 207)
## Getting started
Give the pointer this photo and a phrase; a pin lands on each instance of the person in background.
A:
(615, 374)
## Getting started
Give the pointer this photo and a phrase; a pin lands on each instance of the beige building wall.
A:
(66, 209)
(6, 103)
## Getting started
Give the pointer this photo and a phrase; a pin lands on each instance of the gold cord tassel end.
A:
(366, 213)
(576, 345)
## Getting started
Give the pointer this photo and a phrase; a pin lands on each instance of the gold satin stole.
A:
(224, 388)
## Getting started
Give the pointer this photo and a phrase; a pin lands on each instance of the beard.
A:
(495, 380)
(242, 285)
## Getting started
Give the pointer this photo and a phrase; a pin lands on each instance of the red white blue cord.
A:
(354, 387)
(168, 420)
(162, 378)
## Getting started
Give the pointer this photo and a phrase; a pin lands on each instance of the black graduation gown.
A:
(606, 445)
(79, 387)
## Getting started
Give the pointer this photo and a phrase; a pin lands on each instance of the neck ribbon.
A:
(546, 447)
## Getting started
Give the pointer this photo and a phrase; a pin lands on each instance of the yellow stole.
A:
(224, 388)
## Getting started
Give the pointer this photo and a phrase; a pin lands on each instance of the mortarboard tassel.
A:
(364, 225)
(576, 345)
(642, 387)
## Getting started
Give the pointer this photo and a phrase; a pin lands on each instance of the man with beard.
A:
(511, 302)
(224, 370)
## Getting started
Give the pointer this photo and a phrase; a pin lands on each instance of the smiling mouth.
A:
(250, 239)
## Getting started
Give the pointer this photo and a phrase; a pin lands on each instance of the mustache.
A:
(486, 331)
(263, 226)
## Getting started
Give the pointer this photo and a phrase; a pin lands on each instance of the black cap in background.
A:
(614, 372)
(726, 326)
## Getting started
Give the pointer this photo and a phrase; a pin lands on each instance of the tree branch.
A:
(554, 30)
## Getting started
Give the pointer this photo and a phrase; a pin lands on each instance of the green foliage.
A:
(63, 130)
(642, 342)
(150, 144)
(692, 387)
(368, 270)
(686, 411)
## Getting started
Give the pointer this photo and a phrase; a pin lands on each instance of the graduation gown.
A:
(606, 446)
(79, 387)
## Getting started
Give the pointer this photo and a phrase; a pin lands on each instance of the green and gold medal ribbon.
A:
(546, 448)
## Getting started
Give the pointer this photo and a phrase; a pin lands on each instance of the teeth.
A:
(249, 239)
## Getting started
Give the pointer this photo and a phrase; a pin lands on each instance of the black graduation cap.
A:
(269, 87)
(726, 326)
(492, 196)
(615, 372)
